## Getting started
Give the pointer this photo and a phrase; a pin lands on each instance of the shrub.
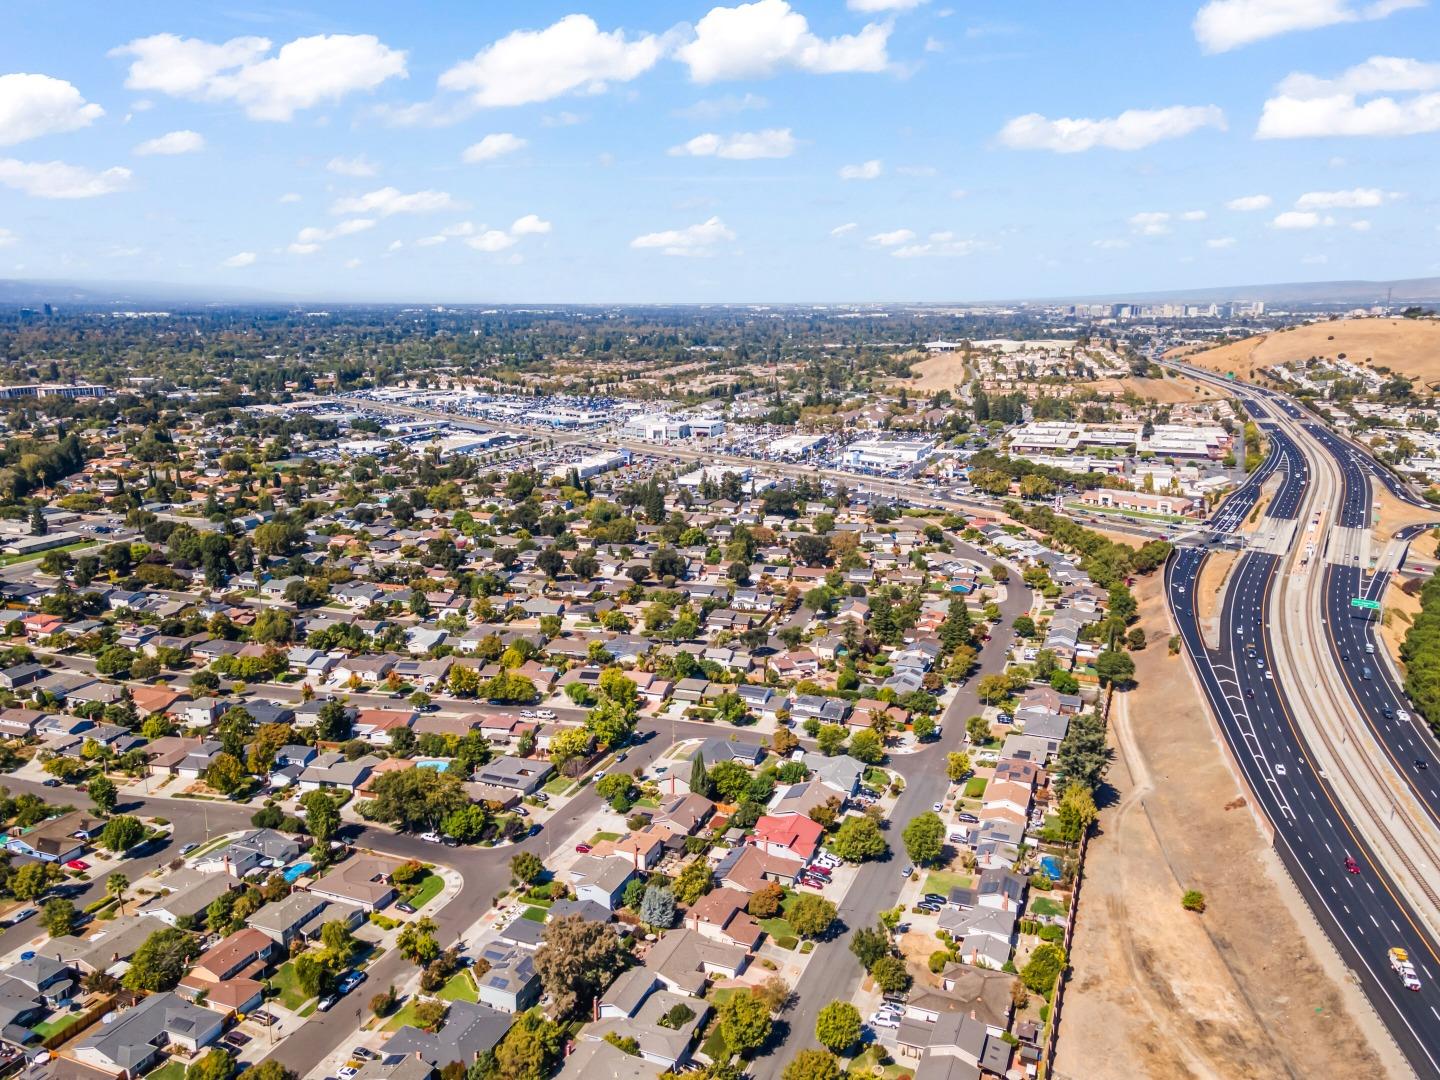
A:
(1193, 900)
(938, 961)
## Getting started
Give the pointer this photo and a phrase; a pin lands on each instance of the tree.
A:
(530, 1047)
(59, 917)
(340, 943)
(30, 881)
(322, 816)
(467, 824)
(890, 974)
(313, 974)
(1076, 811)
(693, 882)
(1043, 968)
(831, 739)
(116, 884)
(765, 902)
(657, 910)
(924, 838)
(744, 1022)
(1193, 900)
(838, 1026)
(1115, 667)
(269, 1069)
(866, 746)
(332, 722)
(812, 1065)
(415, 799)
(977, 729)
(957, 765)
(576, 961)
(858, 839)
(729, 779)
(103, 794)
(161, 960)
(869, 944)
(811, 915)
(121, 833)
(923, 726)
(527, 867)
(217, 1064)
(1083, 757)
(225, 774)
(417, 942)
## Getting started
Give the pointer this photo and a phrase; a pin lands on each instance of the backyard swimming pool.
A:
(298, 870)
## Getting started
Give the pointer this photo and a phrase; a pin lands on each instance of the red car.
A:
(812, 883)
(1351, 865)
(583, 849)
(78, 864)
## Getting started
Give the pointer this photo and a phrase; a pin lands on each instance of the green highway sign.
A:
(1361, 602)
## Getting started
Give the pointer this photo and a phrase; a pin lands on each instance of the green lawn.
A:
(428, 888)
(46, 1028)
(1043, 905)
(942, 881)
(171, 1070)
(559, 786)
(291, 996)
(461, 987)
(975, 787)
(406, 1015)
(779, 926)
(599, 836)
(534, 914)
(714, 1047)
(1117, 511)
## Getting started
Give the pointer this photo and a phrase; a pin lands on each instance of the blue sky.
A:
(772, 151)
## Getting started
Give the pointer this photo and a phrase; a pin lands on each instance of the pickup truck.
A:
(1401, 965)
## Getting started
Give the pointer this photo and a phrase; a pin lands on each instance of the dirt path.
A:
(1249, 989)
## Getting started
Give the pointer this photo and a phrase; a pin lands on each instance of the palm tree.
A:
(115, 885)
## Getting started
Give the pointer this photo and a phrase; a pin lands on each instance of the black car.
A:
(1421, 764)
(51, 782)
(406, 908)
(934, 898)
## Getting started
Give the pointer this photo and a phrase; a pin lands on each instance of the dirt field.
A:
(1210, 588)
(1248, 989)
(1407, 346)
(1165, 391)
(1395, 515)
(941, 371)
(1400, 612)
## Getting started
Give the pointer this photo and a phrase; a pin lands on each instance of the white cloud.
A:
(1194, 215)
(868, 170)
(1300, 219)
(693, 240)
(495, 145)
(35, 105)
(529, 225)
(173, 142)
(389, 200)
(290, 196)
(537, 65)
(492, 240)
(1151, 223)
(755, 40)
(871, 6)
(357, 166)
(841, 230)
(430, 241)
(57, 180)
(8, 238)
(741, 146)
(302, 74)
(1360, 226)
(351, 264)
(1306, 106)
(1110, 244)
(1342, 200)
(1222, 25)
(239, 259)
(1249, 202)
(939, 245)
(1221, 242)
(563, 118)
(1131, 130)
(308, 240)
(894, 238)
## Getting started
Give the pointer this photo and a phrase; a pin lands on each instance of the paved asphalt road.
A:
(1363, 914)
(834, 972)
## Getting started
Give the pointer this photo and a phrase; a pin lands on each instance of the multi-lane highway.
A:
(1362, 913)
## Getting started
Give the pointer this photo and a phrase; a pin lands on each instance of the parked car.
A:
(77, 864)
(583, 849)
(364, 1053)
(430, 837)
(188, 848)
(349, 981)
(406, 908)
(905, 873)
(884, 1021)
(545, 714)
(935, 898)
(326, 1003)
(50, 782)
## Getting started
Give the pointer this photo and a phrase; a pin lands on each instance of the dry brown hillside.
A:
(1406, 346)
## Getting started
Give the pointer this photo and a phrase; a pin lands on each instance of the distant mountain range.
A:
(123, 295)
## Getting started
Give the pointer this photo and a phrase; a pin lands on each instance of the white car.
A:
(1279, 770)
(430, 837)
(545, 714)
(884, 1021)
(938, 807)
(527, 714)
(1401, 714)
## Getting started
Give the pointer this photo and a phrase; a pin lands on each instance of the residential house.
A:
(134, 1041)
(511, 983)
(301, 915)
(361, 880)
(469, 1030)
(600, 880)
(792, 836)
(684, 960)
